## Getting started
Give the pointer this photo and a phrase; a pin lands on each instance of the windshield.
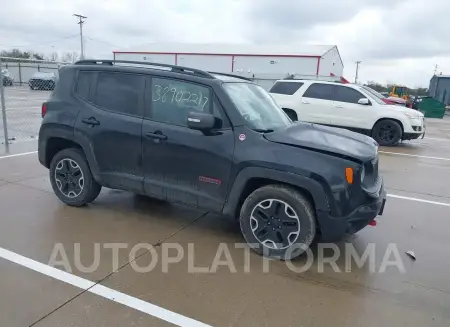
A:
(372, 94)
(256, 106)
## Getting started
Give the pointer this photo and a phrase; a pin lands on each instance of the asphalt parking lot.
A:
(127, 260)
(23, 112)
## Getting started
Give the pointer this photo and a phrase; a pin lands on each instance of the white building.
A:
(264, 63)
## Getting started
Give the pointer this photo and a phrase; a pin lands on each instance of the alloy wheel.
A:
(69, 178)
(387, 133)
(275, 224)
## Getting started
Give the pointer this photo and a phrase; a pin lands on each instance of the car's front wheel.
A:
(278, 221)
(71, 178)
(387, 132)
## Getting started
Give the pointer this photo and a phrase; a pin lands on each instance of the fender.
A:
(242, 178)
(49, 131)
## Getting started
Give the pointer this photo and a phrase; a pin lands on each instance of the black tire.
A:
(89, 190)
(387, 132)
(302, 209)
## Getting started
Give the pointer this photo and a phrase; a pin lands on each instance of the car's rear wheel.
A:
(71, 178)
(278, 221)
(387, 132)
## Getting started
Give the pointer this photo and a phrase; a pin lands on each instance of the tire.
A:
(70, 165)
(387, 132)
(300, 236)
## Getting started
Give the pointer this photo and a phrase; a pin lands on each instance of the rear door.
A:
(348, 113)
(181, 164)
(109, 126)
(317, 104)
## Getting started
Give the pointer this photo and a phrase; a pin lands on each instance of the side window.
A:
(119, 92)
(346, 94)
(320, 91)
(287, 88)
(172, 100)
(84, 83)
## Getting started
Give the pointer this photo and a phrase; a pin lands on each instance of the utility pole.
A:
(435, 69)
(357, 70)
(81, 22)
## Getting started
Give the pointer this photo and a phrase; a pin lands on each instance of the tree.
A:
(69, 57)
(16, 53)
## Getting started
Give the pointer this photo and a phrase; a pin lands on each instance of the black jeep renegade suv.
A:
(210, 140)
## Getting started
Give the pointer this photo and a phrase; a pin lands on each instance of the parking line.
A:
(414, 155)
(18, 154)
(105, 292)
(419, 200)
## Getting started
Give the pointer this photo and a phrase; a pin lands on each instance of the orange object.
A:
(349, 175)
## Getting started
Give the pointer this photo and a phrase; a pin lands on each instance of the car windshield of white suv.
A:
(371, 94)
(257, 106)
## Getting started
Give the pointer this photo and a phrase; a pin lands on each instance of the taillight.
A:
(44, 109)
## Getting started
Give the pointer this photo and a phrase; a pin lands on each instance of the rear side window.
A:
(172, 100)
(119, 92)
(346, 94)
(84, 82)
(287, 88)
(320, 91)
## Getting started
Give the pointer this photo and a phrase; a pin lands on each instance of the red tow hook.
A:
(373, 223)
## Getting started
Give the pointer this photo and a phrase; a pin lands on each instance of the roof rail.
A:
(290, 78)
(174, 68)
(232, 75)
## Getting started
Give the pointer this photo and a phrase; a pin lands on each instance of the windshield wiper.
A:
(262, 130)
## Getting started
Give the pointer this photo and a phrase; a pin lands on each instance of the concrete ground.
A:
(23, 112)
(58, 266)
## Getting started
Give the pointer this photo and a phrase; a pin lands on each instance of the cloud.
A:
(396, 40)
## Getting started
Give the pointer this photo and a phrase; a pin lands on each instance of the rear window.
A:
(85, 80)
(287, 88)
(320, 91)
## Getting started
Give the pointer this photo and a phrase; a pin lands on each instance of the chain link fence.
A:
(25, 85)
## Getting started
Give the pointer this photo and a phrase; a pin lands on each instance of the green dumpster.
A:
(431, 108)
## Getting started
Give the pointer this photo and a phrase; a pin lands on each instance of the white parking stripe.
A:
(418, 200)
(18, 154)
(414, 155)
(105, 292)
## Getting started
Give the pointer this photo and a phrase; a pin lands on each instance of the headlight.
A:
(363, 174)
(412, 116)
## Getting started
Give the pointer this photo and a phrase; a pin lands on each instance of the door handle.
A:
(91, 121)
(338, 106)
(305, 102)
(157, 136)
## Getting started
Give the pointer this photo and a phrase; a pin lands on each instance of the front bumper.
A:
(335, 228)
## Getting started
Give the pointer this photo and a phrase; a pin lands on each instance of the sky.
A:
(397, 41)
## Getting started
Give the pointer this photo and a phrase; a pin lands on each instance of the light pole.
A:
(357, 70)
(81, 22)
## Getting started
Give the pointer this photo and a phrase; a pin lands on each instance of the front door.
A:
(109, 126)
(348, 112)
(181, 164)
(316, 104)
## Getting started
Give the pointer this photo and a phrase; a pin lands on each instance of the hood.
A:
(410, 112)
(326, 139)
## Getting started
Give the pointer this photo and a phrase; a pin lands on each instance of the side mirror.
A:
(200, 121)
(364, 101)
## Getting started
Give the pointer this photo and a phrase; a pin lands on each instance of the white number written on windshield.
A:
(183, 97)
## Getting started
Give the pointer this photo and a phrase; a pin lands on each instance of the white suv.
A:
(349, 106)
